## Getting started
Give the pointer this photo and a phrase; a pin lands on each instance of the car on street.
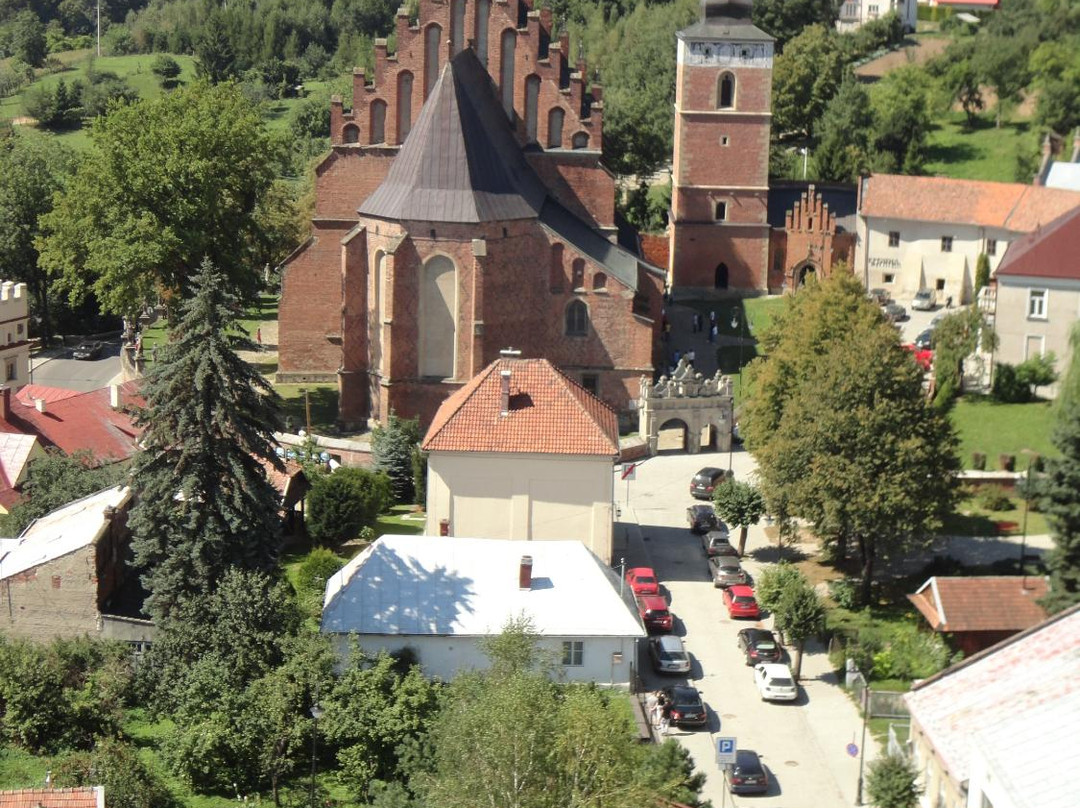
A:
(894, 312)
(718, 542)
(775, 682)
(879, 296)
(747, 775)
(705, 481)
(936, 321)
(643, 581)
(668, 654)
(685, 707)
(740, 602)
(655, 613)
(925, 300)
(727, 571)
(924, 358)
(91, 349)
(702, 518)
(925, 339)
(759, 645)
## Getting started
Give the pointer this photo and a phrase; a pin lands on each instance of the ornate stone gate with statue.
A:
(705, 406)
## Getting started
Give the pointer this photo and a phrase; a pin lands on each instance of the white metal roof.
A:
(426, 585)
(1064, 175)
(63, 531)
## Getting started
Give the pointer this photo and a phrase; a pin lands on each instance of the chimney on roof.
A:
(39, 404)
(504, 392)
(114, 396)
(5, 402)
(525, 573)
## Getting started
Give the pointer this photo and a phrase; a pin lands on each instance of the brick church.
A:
(464, 208)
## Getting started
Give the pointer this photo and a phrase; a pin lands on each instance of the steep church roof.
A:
(460, 162)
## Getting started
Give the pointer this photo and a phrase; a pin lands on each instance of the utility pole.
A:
(862, 746)
(99, 28)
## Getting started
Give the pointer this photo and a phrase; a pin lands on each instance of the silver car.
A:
(726, 571)
(668, 654)
(925, 300)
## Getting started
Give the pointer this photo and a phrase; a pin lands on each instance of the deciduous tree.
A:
(805, 78)
(843, 152)
(739, 504)
(799, 614)
(784, 19)
(901, 119)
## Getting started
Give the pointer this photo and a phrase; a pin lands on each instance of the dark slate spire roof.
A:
(460, 162)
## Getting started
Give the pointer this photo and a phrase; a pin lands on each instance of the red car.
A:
(654, 613)
(923, 357)
(740, 602)
(643, 581)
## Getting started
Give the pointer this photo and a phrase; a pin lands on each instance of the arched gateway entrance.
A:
(700, 406)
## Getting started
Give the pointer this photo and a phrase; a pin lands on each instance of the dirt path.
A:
(916, 51)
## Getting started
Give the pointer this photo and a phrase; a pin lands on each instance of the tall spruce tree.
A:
(205, 503)
(1060, 490)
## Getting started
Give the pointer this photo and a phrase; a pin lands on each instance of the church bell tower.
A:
(719, 232)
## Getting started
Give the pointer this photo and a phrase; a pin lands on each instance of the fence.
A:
(899, 738)
(880, 703)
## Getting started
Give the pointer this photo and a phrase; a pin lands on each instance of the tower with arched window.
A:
(720, 171)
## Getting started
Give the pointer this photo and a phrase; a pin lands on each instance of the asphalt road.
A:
(802, 744)
(56, 368)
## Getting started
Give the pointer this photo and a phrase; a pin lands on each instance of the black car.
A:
(924, 340)
(759, 646)
(701, 518)
(718, 542)
(684, 706)
(747, 775)
(703, 483)
(87, 350)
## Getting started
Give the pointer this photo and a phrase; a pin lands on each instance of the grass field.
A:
(982, 153)
(984, 425)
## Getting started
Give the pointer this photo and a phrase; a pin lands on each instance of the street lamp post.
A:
(316, 714)
(862, 746)
(1023, 526)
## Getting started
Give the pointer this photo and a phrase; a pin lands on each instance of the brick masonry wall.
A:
(698, 249)
(579, 182)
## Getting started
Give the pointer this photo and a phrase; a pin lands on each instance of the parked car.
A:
(924, 300)
(740, 602)
(759, 645)
(668, 654)
(726, 571)
(925, 339)
(654, 613)
(924, 358)
(718, 542)
(685, 707)
(643, 581)
(91, 349)
(706, 480)
(879, 296)
(941, 315)
(747, 775)
(894, 312)
(775, 682)
(702, 518)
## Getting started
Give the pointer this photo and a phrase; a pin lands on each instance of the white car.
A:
(775, 682)
(925, 300)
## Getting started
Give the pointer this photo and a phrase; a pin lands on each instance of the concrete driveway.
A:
(801, 744)
(56, 368)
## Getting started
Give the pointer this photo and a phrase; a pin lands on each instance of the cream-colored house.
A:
(522, 452)
(928, 232)
(1038, 293)
(14, 334)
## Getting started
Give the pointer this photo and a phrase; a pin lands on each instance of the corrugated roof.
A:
(1035, 668)
(460, 162)
(548, 413)
(1005, 205)
(63, 531)
(85, 797)
(1049, 252)
(981, 603)
(450, 586)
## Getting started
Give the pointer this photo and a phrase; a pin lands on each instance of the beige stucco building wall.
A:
(1034, 316)
(56, 599)
(528, 497)
(14, 334)
(939, 789)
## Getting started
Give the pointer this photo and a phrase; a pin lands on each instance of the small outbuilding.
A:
(442, 597)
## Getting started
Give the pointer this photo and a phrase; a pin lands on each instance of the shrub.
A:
(342, 503)
(1006, 462)
(845, 593)
(891, 783)
(978, 460)
(313, 574)
(1008, 387)
(128, 781)
(1038, 371)
(994, 498)
(167, 69)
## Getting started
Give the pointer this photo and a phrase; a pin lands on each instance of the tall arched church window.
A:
(555, 125)
(378, 121)
(483, 11)
(577, 319)
(507, 47)
(457, 26)
(378, 313)
(432, 37)
(438, 317)
(532, 101)
(725, 91)
(404, 105)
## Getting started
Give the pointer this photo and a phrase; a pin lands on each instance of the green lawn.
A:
(983, 153)
(984, 425)
(761, 310)
(323, 399)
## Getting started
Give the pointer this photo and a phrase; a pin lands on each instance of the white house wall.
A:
(526, 497)
(443, 657)
(1021, 335)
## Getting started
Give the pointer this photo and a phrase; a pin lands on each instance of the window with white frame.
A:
(573, 653)
(1036, 304)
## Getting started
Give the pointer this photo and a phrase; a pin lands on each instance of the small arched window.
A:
(351, 133)
(378, 121)
(577, 319)
(599, 281)
(721, 279)
(725, 91)
(577, 274)
(580, 141)
(721, 211)
(557, 273)
(555, 124)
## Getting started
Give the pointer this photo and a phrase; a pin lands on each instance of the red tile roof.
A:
(87, 797)
(981, 603)
(548, 413)
(654, 249)
(1049, 252)
(1007, 205)
(983, 3)
(82, 421)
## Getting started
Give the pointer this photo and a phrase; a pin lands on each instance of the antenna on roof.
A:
(510, 353)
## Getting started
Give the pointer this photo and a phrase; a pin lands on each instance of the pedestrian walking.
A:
(690, 356)
(258, 335)
(712, 317)
(713, 333)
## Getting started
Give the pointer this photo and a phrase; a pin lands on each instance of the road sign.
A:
(629, 471)
(852, 749)
(725, 751)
